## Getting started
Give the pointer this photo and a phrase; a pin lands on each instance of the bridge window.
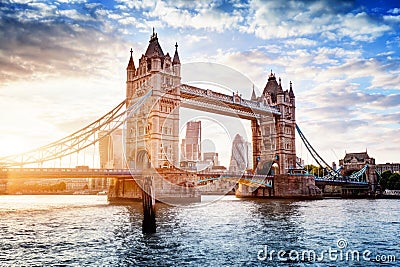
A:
(133, 132)
(166, 130)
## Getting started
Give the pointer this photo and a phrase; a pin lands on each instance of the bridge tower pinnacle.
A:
(152, 134)
(176, 63)
(130, 75)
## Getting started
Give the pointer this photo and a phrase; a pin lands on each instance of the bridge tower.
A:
(152, 135)
(274, 138)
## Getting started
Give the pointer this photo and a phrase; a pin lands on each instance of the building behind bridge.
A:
(211, 158)
(393, 167)
(191, 144)
(111, 154)
(241, 157)
(353, 162)
(111, 150)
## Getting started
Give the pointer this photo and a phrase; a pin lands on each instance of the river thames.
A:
(87, 231)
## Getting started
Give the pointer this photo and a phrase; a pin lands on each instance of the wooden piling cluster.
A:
(149, 206)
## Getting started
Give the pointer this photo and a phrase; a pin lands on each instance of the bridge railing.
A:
(64, 172)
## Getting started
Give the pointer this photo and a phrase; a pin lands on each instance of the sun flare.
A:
(11, 145)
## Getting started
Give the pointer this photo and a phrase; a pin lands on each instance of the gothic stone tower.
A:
(274, 138)
(152, 133)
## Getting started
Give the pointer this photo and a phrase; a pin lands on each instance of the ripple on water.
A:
(85, 231)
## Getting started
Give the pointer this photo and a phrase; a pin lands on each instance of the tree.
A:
(397, 185)
(393, 181)
(383, 181)
(315, 170)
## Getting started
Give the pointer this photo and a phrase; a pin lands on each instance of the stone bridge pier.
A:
(284, 186)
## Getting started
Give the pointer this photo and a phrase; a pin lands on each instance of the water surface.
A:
(87, 231)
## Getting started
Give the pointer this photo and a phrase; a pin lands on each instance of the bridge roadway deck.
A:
(64, 173)
(340, 182)
(72, 173)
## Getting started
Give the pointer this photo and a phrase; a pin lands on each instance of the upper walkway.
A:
(228, 105)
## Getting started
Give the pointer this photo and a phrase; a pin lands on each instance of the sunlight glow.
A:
(11, 145)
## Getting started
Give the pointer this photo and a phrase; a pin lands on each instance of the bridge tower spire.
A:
(176, 63)
(253, 95)
(130, 76)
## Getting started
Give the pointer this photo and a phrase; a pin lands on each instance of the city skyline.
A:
(63, 64)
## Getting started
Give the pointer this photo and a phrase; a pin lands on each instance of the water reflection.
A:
(216, 232)
(230, 232)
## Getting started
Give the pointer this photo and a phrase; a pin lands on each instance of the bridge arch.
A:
(267, 167)
(142, 161)
(274, 169)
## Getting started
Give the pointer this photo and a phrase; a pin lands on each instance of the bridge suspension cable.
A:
(312, 151)
(331, 173)
(78, 140)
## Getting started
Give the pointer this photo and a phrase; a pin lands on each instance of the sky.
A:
(63, 63)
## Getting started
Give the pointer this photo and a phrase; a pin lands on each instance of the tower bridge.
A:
(154, 131)
(152, 137)
(150, 118)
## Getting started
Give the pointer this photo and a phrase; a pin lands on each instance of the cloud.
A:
(342, 59)
(53, 47)
(252, 63)
(138, 5)
(390, 101)
(198, 18)
(277, 19)
(391, 18)
(301, 42)
(394, 11)
(197, 38)
(361, 27)
(75, 15)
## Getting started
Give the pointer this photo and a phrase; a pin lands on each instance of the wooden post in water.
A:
(149, 204)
